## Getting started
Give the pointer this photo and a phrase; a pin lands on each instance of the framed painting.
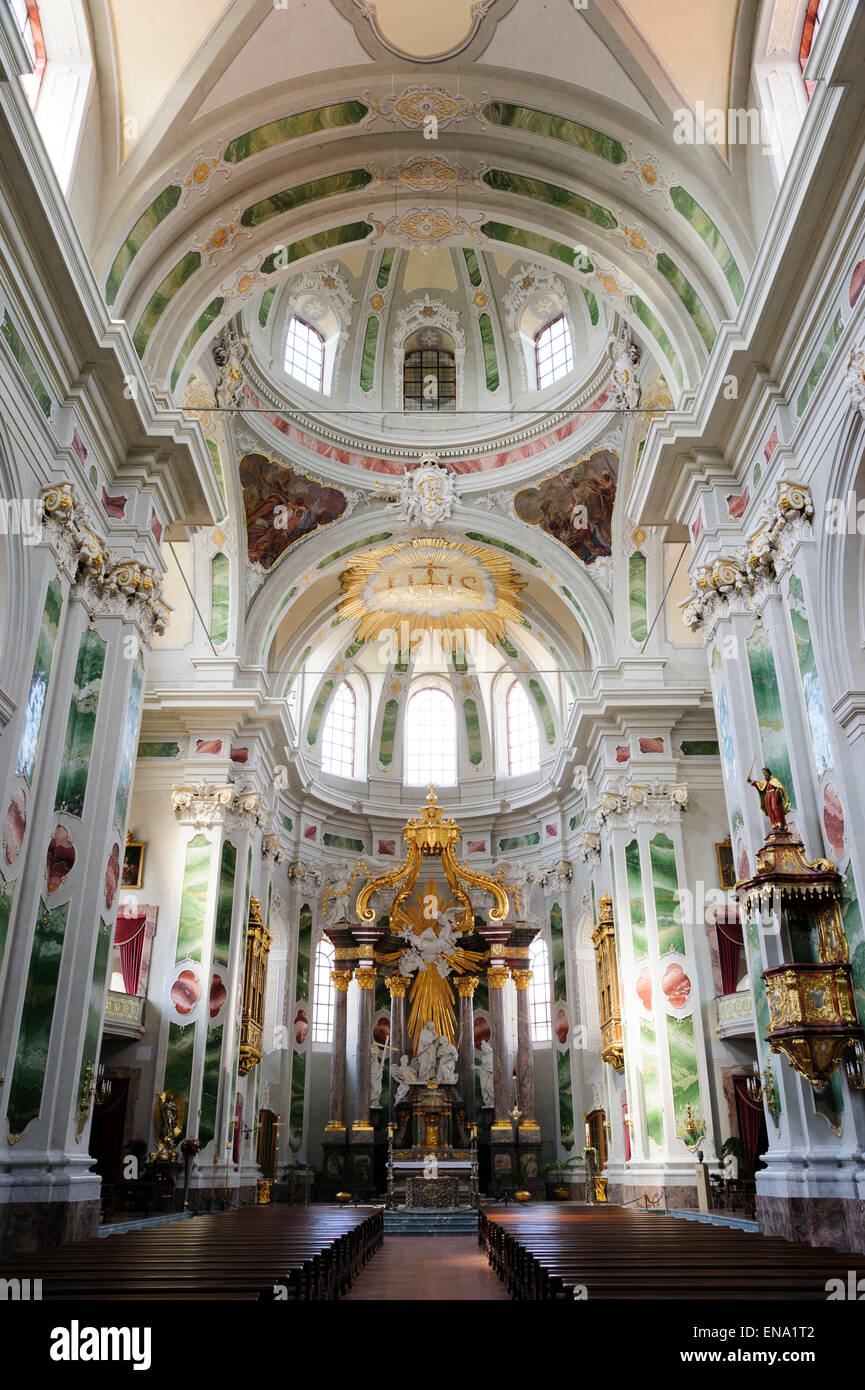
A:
(726, 866)
(133, 863)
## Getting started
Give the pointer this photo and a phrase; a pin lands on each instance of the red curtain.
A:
(129, 936)
(729, 948)
(752, 1124)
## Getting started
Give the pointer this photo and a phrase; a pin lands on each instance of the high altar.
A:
(432, 949)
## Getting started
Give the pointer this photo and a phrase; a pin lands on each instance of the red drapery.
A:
(752, 1124)
(129, 936)
(729, 948)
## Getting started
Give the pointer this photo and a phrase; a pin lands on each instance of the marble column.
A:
(365, 976)
(341, 979)
(73, 736)
(466, 986)
(397, 987)
(525, 1055)
(497, 977)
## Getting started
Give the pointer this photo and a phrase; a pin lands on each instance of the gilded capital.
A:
(341, 979)
(366, 978)
(397, 985)
(497, 976)
(522, 978)
(466, 985)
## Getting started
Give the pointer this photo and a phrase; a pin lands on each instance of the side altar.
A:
(431, 950)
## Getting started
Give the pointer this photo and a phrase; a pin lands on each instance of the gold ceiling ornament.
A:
(432, 584)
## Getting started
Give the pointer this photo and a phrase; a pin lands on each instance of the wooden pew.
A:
(265, 1253)
(551, 1251)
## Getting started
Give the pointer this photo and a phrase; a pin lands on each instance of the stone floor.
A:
(430, 1268)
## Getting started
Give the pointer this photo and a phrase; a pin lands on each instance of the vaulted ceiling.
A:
(262, 139)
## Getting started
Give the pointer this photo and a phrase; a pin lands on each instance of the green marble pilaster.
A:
(34, 1033)
(80, 727)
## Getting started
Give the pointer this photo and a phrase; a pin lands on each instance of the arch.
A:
(430, 738)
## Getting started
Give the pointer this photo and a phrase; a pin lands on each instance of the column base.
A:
(26, 1226)
(838, 1222)
(335, 1127)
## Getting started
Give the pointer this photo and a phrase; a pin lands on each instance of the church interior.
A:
(432, 649)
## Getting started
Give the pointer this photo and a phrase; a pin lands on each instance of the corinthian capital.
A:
(105, 581)
(203, 807)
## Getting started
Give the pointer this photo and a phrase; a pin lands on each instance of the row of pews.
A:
(555, 1251)
(268, 1253)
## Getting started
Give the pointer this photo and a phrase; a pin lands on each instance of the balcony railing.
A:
(734, 1016)
(124, 1014)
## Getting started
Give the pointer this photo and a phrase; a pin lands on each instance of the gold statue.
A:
(168, 1120)
(774, 801)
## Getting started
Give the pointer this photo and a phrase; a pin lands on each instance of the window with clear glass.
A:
(323, 993)
(524, 744)
(554, 352)
(25, 13)
(304, 354)
(337, 739)
(429, 380)
(430, 739)
(540, 1006)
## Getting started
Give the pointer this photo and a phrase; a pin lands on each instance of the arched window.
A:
(337, 740)
(540, 1008)
(26, 16)
(304, 354)
(524, 744)
(323, 994)
(430, 739)
(554, 352)
(429, 380)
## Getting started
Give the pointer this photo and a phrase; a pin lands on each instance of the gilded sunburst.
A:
(433, 584)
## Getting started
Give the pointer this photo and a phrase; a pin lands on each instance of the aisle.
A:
(429, 1268)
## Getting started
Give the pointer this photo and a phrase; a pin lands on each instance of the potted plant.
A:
(558, 1174)
(732, 1155)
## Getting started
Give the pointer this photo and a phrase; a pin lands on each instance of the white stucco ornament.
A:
(427, 494)
(854, 376)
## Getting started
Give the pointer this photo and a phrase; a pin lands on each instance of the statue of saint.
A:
(426, 1061)
(405, 1075)
(774, 801)
(376, 1075)
(486, 1073)
(446, 1073)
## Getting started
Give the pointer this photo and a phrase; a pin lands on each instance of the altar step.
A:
(450, 1221)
